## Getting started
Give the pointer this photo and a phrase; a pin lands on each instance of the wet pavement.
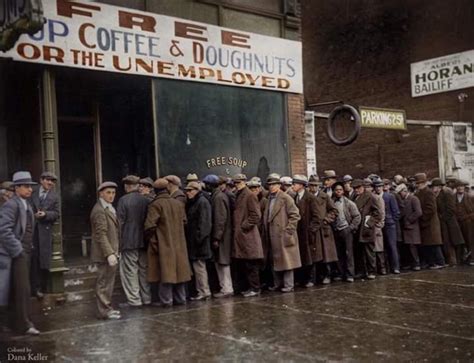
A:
(415, 316)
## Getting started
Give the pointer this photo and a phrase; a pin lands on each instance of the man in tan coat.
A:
(280, 220)
(168, 261)
(104, 248)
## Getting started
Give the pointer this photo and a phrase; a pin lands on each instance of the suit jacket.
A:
(131, 213)
(44, 226)
(12, 229)
(105, 234)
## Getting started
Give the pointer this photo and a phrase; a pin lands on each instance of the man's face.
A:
(47, 183)
(297, 187)
(144, 189)
(191, 193)
(404, 194)
(108, 194)
(329, 182)
(339, 191)
(386, 187)
(273, 188)
(313, 188)
(460, 190)
(240, 184)
(359, 190)
(379, 189)
(369, 188)
(284, 187)
(24, 191)
(348, 186)
(420, 186)
(255, 190)
(436, 189)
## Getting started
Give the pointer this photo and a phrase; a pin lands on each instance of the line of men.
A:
(298, 231)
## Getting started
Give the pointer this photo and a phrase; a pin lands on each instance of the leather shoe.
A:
(32, 331)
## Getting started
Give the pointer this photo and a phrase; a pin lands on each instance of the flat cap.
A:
(329, 174)
(254, 182)
(367, 182)
(286, 180)
(347, 178)
(356, 183)
(173, 179)
(437, 182)
(7, 185)
(131, 179)
(400, 188)
(146, 181)
(314, 180)
(191, 177)
(107, 184)
(274, 178)
(300, 179)
(160, 183)
(398, 179)
(193, 186)
(239, 177)
(211, 179)
(48, 175)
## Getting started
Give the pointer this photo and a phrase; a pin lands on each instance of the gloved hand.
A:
(112, 260)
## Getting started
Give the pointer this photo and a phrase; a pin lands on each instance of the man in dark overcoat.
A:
(307, 228)
(17, 224)
(221, 236)
(465, 217)
(168, 262)
(247, 248)
(45, 204)
(431, 240)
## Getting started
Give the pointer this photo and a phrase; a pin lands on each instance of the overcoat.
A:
(105, 233)
(371, 216)
(430, 228)
(324, 249)
(410, 213)
(378, 239)
(178, 194)
(12, 229)
(465, 216)
(221, 226)
(131, 213)
(307, 226)
(44, 226)
(199, 227)
(168, 260)
(280, 226)
(450, 229)
(247, 219)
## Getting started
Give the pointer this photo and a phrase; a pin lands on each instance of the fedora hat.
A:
(314, 180)
(356, 183)
(193, 186)
(23, 178)
(420, 178)
(48, 175)
(329, 174)
(300, 179)
(437, 182)
(274, 178)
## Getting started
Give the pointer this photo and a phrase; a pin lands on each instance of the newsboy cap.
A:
(300, 179)
(173, 179)
(7, 185)
(193, 186)
(107, 184)
(274, 178)
(131, 179)
(23, 178)
(356, 183)
(160, 183)
(286, 180)
(191, 177)
(329, 174)
(48, 175)
(314, 180)
(401, 188)
(347, 178)
(377, 182)
(367, 182)
(398, 179)
(420, 178)
(146, 181)
(437, 182)
(239, 177)
(254, 182)
(211, 179)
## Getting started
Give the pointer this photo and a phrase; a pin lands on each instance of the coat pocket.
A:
(289, 239)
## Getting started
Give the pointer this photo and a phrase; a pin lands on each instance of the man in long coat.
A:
(307, 227)
(465, 216)
(198, 237)
(410, 213)
(105, 249)
(168, 262)
(221, 235)
(376, 185)
(17, 224)
(280, 221)
(247, 247)
(371, 216)
(431, 240)
(131, 213)
(45, 204)
(453, 240)
(392, 216)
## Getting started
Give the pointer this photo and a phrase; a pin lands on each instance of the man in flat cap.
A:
(329, 178)
(248, 248)
(45, 203)
(307, 228)
(280, 222)
(168, 262)
(465, 217)
(348, 189)
(453, 240)
(221, 236)
(105, 229)
(145, 187)
(431, 240)
(7, 191)
(131, 214)
(198, 236)
(174, 184)
(17, 225)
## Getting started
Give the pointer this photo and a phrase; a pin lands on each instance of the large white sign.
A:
(442, 74)
(96, 36)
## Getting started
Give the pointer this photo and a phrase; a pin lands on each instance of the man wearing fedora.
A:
(7, 191)
(307, 228)
(105, 248)
(280, 222)
(45, 203)
(453, 240)
(17, 225)
(329, 178)
(430, 229)
(131, 214)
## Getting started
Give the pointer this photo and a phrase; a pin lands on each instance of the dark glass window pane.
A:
(205, 128)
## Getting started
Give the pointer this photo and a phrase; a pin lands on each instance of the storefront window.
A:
(204, 128)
